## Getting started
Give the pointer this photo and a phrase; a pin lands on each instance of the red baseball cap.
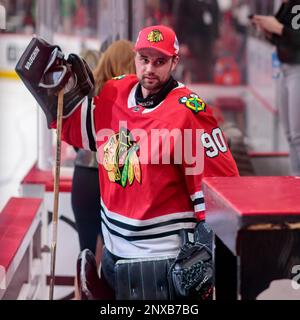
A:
(158, 37)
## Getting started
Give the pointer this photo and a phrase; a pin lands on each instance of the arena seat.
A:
(21, 269)
(256, 222)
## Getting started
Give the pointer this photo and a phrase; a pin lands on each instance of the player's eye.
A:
(160, 62)
(144, 59)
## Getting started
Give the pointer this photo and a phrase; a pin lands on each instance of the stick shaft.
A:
(56, 192)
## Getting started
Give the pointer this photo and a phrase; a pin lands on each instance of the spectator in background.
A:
(283, 30)
(241, 23)
(80, 19)
(159, 12)
(152, 12)
(29, 17)
(68, 8)
(227, 48)
(197, 27)
(118, 59)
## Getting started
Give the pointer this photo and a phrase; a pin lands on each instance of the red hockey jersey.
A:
(150, 164)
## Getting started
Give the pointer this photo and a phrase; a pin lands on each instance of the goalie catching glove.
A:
(45, 72)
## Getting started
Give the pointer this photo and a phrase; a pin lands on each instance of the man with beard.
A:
(152, 136)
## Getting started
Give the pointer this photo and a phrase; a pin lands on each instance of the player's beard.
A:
(153, 85)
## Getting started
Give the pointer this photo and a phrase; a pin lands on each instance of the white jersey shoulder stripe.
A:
(84, 135)
(197, 195)
(93, 122)
(88, 134)
(199, 207)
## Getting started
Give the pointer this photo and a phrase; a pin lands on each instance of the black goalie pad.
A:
(45, 72)
(143, 279)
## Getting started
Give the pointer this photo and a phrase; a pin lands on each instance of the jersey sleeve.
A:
(194, 185)
(209, 156)
(218, 160)
(193, 167)
(78, 128)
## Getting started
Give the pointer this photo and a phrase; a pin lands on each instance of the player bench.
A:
(40, 183)
(21, 274)
(256, 221)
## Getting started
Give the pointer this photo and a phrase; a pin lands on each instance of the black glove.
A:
(80, 85)
(203, 234)
(44, 71)
(192, 270)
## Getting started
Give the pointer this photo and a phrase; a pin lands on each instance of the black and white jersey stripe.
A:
(198, 201)
(140, 238)
(87, 125)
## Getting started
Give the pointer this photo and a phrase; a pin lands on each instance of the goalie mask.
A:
(45, 72)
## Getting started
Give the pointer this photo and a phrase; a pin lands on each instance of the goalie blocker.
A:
(45, 72)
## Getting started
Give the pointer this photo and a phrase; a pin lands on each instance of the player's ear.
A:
(175, 60)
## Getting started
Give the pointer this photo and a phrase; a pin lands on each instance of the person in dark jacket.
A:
(197, 27)
(283, 30)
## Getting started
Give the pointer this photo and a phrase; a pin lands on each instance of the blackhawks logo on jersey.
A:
(119, 77)
(155, 36)
(120, 159)
(193, 102)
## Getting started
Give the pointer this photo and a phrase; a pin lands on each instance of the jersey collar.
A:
(153, 100)
(131, 102)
